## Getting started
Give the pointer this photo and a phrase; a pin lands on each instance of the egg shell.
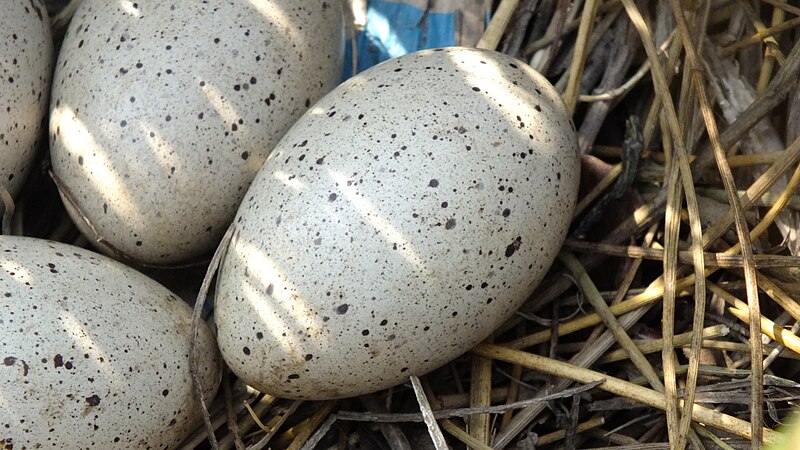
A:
(163, 112)
(401, 220)
(95, 354)
(26, 52)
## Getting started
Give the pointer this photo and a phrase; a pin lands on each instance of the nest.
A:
(669, 319)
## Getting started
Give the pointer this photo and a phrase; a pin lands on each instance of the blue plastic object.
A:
(394, 28)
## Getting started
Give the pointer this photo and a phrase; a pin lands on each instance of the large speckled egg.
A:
(94, 354)
(26, 50)
(399, 222)
(163, 112)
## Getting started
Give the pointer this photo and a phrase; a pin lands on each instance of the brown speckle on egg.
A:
(97, 345)
(195, 103)
(396, 263)
(26, 66)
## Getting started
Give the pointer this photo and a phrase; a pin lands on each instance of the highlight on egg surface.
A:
(163, 111)
(401, 220)
(94, 354)
(26, 50)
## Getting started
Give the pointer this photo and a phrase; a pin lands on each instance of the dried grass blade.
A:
(312, 424)
(618, 387)
(683, 174)
(722, 260)
(250, 420)
(450, 426)
(579, 55)
(610, 320)
(654, 345)
(427, 415)
(480, 396)
(655, 290)
(561, 434)
(768, 327)
(784, 81)
(511, 396)
(197, 314)
(695, 65)
(761, 36)
(262, 443)
(585, 358)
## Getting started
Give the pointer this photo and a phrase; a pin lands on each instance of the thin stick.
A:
(560, 434)
(248, 421)
(618, 387)
(654, 345)
(776, 352)
(440, 414)
(316, 421)
(197, 314)
(585, 358)
(774, 50)
(392, 433)
(774, 54)
(233, 425)
(722, 260)
(623, 89)
(451, 427)
(480, 396)
(597, 190)
(579, 56)
(784, 81)
(768, 327)
(433, 428)
(695, 65)
(610, 320)
(494, 32)
(656, 289)
(323, 429)
(682, 172)
(281, 420)
(761, 36)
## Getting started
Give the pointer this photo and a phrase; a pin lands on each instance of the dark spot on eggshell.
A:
(398, 249)
(513, 247)
(93, 400)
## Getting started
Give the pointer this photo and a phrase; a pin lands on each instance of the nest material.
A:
(669, 319)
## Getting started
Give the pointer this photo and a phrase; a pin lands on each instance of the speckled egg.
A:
(163, 112)
(94, 354)
(400, 221)
(26, 52)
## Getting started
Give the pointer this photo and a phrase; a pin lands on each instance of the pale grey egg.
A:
(94, 354)
(163, 112)
(26, 52)
(401, 220)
